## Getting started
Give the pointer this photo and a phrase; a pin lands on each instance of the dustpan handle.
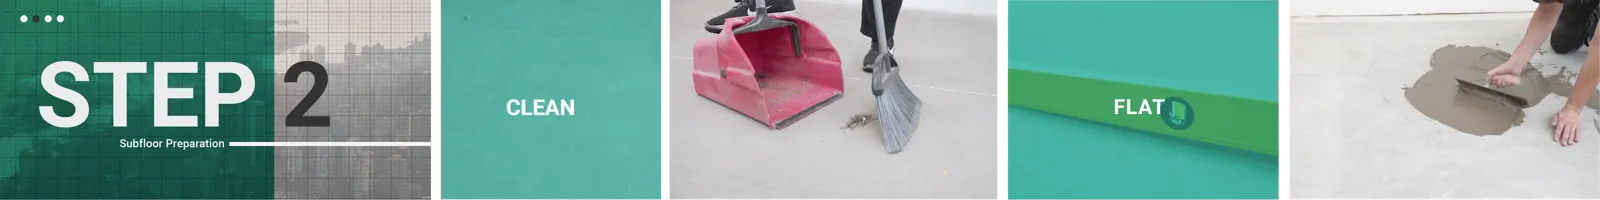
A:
(763, 21)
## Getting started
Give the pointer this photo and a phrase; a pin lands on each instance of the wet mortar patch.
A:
(1438, 94)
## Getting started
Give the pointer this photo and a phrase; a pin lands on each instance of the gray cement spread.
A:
(1438, 95)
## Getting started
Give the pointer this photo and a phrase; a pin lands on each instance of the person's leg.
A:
(743, 8)
(891, 13)
(1573, 26)
(1544, 19)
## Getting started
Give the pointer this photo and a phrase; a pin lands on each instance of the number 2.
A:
(297, 117)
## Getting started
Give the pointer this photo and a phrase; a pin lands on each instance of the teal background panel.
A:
(603, 54)
(1222, 47)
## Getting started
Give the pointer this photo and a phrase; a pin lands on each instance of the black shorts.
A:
(1562, 1)
(1577, 20)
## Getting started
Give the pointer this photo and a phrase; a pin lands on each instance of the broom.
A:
(898, 109)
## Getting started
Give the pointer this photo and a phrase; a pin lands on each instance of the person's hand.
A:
(1506, 75)
(1568, 123)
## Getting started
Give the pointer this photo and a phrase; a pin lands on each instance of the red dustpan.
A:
(760, 71)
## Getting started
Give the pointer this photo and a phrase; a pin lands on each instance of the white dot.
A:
(24, 19)
(60, 18)
(48, 18)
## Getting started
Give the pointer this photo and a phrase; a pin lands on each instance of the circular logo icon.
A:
(1177, 113)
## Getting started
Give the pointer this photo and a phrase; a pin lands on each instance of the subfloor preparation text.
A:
(142, 143)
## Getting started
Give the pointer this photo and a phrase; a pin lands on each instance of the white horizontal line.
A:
(329, 144)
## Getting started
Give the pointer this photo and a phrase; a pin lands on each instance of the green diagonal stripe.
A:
(1236, 122)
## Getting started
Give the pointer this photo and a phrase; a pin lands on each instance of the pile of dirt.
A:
(860, 120)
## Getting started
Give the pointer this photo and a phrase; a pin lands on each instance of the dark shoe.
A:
(872, 57)
(747, 8)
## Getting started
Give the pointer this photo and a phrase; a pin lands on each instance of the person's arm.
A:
(1568, 120)
(1544, 21)
(1588, 78)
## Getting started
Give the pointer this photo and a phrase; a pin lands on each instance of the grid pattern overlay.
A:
(377, 56)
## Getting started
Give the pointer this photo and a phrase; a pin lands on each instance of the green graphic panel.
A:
(1235, 122)
(1058, 157)
(1070, 60)
(38, 160)
(604, 55)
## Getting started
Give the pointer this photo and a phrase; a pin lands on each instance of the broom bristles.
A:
(898, 112)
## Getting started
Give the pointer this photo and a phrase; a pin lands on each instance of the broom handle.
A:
(877, 10)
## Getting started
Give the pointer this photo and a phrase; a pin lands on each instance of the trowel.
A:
(1513, 101)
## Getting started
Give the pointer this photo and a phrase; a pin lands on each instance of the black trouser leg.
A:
(776, 5)
(891, 12)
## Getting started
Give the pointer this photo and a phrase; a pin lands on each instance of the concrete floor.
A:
(1310, 8)
(949, 61)
(1354, 135)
